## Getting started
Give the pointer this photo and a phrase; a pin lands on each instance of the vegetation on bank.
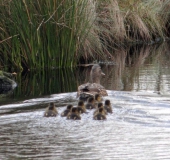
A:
(38, 34)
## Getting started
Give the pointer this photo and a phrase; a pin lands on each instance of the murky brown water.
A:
(139, 89)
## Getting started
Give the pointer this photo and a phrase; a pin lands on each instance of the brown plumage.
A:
(94, 87)
(81, 107)
(108, 106)
(90, 103)
(67, 111)
(98, 98)
(51, 111)
(100, 105)
(100, 115)
(74, 115)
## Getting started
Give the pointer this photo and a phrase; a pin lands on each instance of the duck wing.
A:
(90, 89)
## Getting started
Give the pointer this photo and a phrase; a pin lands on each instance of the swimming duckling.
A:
(98, 98)
(100, 115)
(74, 115)
(67, 111)
(90, 103)
(81, 107)
(51, 111)
(107, 106)
(100, 105)
(93, 86)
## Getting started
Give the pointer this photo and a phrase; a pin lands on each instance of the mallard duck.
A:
(100, 105)
(107, 106)
(90, 103)
(51, 111)
(74, 115)
(93, 87)
(100, 115)
(67, 111)
(81, 107)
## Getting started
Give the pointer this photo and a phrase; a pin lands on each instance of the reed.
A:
(39, 34)
(42, 34)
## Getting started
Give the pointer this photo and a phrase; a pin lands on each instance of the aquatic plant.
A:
(39, 34)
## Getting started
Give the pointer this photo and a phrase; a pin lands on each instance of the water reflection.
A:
(138, 87)
(137, 68)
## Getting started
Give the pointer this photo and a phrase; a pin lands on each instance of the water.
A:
(138, 128)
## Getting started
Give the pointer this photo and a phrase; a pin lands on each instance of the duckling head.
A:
(95, 74)
(100, 105)
(98, 97)
(80, 103)
(101, 110)
(107, 102)
(51, 106)
(70, 106)
(91, 100)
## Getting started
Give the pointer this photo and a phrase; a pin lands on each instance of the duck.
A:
(74, 115)
(90, 103)
(93, 86)
(100, 115)
(81, 107)
(100, 105)
(67, 111)
(107, 106)
(51, 110)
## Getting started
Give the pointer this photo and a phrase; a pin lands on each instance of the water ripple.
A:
(138, 129)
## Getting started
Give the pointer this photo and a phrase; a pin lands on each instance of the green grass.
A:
(39, 34)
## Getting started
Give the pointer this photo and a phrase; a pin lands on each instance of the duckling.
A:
(81, 107)
(67, 111)
(107, 106)
(74, 115)
(51, 111)
(100, 115)
(91, 88)
(90, 103)
(100, 105)
(98, 98)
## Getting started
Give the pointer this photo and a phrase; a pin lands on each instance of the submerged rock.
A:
(7, 84)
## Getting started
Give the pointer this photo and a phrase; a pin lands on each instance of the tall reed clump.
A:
(57, 33)
(124, 21)
(165, 14)
(44, 34)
